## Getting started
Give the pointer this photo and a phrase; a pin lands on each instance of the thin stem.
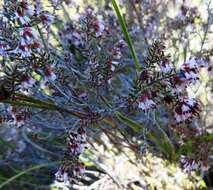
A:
(27, 171)
(26, 138)
(42, 38)
(27, 104)
(66, 14)
(30, 102)
(126, 34)
(207, 28)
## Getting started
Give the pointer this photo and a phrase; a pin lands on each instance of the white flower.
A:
(50, 77)
(166, 66)
(28, 34)
(145, 103)
(204, 167)
(24, 50)
(22, 19)
(113, 65)
(44, 85)
(17, 115)
(38, 6)
(185, 109)
(99, 27)
(23, 12)
(190, 69)
(28, 82)
(47, 19)
(49, 74)
(3, 48)
(62, 176)
(188, 164)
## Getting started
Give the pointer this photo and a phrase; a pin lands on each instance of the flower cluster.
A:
(146, 103)
(23, 53)
(166, 65)
(189, 74)
(87, 42)
(62, 175)
(162, 81)
(77, 141)
(24, 38)
(23, 11)
(46, 18)
(18, 115)
(198, 160)
(185, 109)
(27, 82)
(116, 50)
(28, 42)
(49, 74)
(69, 172)
(188, 164)
(94, 23)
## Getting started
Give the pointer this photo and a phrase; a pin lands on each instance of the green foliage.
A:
(10, 180)
(129, 122)
(162, 141)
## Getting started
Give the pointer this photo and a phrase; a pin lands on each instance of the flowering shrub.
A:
(57, 72)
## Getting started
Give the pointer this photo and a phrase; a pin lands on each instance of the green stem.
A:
(42, 38)
(122, 118)
(126, 34)
(27, 104)
(66, 14)
(30, 102)
(27, 171)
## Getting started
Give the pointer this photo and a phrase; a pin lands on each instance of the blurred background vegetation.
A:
(111, 164)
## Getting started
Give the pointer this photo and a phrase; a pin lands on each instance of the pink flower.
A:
(185, 109)
(28, 41)
(188, 164)
(80, 168)
(112, 64)
(166, 66)
(23, 49)
(179, 83)
(27, 82)
(77, 141)
(19, 116)
(28, 35)
(62, 175)
(49, 74)
(116, 50)
(46, 18)
(189, 74)
(23, 11)
(146, 103)
(190, 70)
(98, 27)
(3, 48)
